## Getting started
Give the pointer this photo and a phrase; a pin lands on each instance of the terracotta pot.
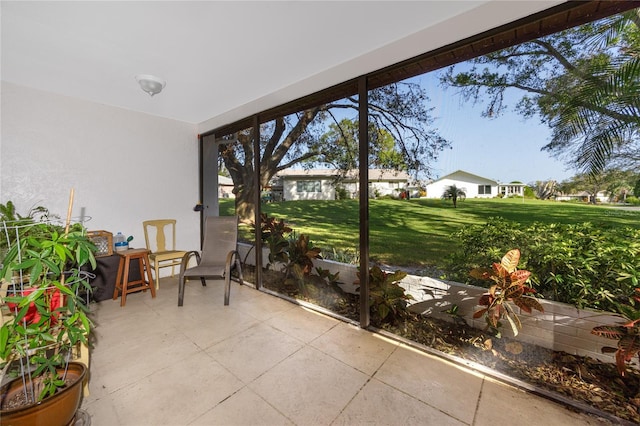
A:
(56, 410)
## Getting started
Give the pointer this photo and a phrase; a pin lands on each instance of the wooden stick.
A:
(66, 229)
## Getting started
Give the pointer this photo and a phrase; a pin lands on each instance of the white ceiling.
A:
(225, 60)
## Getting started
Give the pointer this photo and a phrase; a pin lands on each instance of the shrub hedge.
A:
(580, 264)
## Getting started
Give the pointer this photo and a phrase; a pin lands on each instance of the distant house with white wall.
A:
(585, 196)
(225, 187)
(604, 197)
(320, 184)
(474, 186)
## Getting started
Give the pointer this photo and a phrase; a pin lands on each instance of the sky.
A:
(504, 149)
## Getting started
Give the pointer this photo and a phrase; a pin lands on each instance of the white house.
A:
(585, 196)
(225, 187)
(474, 186)
(321, 184)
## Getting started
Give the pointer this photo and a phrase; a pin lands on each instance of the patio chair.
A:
(219, 251)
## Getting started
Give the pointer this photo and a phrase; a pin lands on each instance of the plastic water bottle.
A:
(120, 242)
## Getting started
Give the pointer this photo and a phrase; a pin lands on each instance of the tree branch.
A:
(298, 160)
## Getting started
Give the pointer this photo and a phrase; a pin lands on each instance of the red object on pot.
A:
(33, 316)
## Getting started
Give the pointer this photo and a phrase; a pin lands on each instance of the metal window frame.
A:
(552, 20)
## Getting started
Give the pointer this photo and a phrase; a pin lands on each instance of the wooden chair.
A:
(163, 252)
(219, 251)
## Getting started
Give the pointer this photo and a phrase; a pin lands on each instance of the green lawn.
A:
(418, 232)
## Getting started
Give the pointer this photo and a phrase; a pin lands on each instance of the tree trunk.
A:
(245, 206)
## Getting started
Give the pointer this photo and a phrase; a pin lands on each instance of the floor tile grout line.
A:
(276, 364)
(199, 349)
(415, 398)
(399, 347)
(303, 346)
(245, 386)
(396, 345)
(232, 336)
(369, 379)
(164, 367)
(475, 412)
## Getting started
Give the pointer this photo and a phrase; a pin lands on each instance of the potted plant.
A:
(49, 320)
(11, 221)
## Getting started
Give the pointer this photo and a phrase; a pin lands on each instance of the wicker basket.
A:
(103, 240)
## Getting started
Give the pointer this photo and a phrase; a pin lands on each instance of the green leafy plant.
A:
(584, 264)
(322, 287)
(387, 299)
(453, 193)
(12, 223)
(456, 316)
(350, 257)
(274, 234)
(8, 214)
(509, 286)
(300, 253)
(341, 193)
(627, 334)
(294, 252)
(326, 275)
(49, 315)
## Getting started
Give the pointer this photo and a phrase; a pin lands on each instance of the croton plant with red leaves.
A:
(627, 334)
(509, 286)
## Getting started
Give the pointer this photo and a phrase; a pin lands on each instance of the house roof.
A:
(226, 181)
(459, 172)
(374, 174)
(493, 181)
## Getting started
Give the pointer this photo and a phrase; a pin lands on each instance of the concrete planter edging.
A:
(561, 327)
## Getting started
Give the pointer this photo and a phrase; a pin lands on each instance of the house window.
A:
(308, 186)
(484, 189)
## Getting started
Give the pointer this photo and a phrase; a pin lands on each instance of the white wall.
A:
(290, 190)
(386, 187)
(436, 189)
(124, 166)
(467, 182)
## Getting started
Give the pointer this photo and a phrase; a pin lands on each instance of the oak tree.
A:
(584, 83)
(397, 112)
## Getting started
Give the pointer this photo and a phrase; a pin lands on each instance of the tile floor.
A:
(265, 361)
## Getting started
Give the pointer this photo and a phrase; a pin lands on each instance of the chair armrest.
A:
(229, 261)
(238, 264)
(230, 256)
(187, 257)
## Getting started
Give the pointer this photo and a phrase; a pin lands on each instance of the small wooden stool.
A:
(122, 277)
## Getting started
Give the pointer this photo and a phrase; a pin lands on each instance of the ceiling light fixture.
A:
(150, 83)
